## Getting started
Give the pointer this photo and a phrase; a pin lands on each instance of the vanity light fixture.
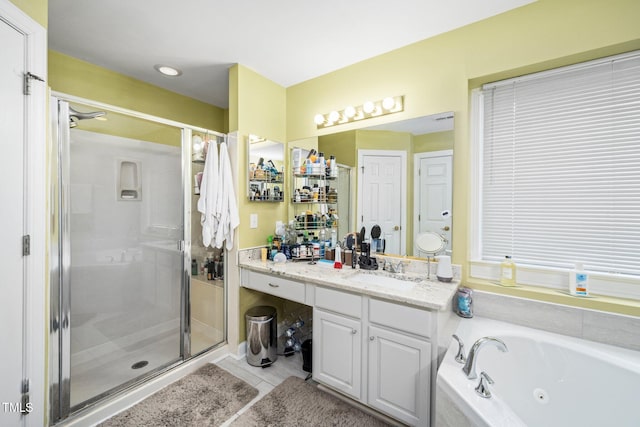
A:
(167, 70)
(389, 105)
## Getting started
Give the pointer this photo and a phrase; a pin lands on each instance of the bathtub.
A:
(544, 379)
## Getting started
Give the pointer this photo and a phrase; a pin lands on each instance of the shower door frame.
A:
(60, 261)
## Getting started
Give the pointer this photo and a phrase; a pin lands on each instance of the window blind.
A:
(560, 161)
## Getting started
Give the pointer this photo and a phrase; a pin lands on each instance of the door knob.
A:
(396, 228)
(446, 228)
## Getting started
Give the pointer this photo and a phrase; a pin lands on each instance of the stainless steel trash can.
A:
(262, 335)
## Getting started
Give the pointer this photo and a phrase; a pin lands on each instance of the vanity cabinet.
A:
(274, 285)
(391, 361)
(398, 375)
(380, 353)
(337, 352)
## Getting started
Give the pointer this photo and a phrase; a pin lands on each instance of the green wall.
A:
(256, 106)
(436, 141)
(38, 10)
(436, 75)
(73, 76)
(342, 145)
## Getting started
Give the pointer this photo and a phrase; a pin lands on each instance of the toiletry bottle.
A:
(210, 270)
(507, 272)
(463, 302)
(337, 258)
(579, 281)
(194, 267)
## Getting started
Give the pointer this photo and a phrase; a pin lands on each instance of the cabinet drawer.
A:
(400, 317)
(339, 302)
(274, 285)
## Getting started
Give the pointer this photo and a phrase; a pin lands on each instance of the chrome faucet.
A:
(393, 268)
(470, 367)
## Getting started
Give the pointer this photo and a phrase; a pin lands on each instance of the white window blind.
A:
(560, 161)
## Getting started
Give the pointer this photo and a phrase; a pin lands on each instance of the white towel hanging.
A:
(209, 196)
(227, 208)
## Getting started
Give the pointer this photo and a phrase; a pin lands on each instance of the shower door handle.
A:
(180, 245)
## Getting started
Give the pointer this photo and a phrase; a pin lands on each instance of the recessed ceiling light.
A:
(167, 70)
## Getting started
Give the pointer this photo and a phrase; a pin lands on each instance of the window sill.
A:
(484, 276)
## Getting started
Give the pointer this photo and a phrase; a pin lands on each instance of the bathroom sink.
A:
(381, 280)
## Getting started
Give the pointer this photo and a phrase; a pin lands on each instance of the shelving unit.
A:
(265, 186)
(313, 210)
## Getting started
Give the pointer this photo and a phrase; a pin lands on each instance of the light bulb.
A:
(349, 112)
(167, 70)
(197, 143)
(368, 107)
(319, 119)
(334, 116)
(388, 103)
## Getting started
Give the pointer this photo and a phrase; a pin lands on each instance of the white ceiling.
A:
(288, 41)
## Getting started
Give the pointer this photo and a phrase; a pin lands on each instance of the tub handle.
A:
(460, 357)
(483, 389)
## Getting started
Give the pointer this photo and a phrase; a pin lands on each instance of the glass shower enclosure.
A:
(120, 260)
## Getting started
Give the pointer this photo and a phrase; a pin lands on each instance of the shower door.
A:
(117, 279)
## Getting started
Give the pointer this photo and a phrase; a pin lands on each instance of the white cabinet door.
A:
(399, 370)
(337, 352)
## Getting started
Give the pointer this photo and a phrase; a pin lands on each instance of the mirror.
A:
(265, 170)
(430, 243)
(428, 144)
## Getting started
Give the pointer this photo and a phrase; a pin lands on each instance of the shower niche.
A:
(128, 179)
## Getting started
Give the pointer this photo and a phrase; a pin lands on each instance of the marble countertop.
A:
(414, 290)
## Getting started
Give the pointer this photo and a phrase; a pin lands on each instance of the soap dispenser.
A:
(507, 272)
(444, 272)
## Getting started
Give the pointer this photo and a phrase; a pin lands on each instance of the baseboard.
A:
(242, 351)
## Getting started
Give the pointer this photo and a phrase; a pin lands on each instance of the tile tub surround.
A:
(607, 328)
(429, 294)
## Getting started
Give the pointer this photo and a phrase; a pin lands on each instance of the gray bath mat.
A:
(207, 397)
(296, 403)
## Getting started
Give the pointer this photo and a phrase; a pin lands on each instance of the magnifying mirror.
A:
(430, 243)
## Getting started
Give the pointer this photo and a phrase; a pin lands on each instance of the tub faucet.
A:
(470, 367)
(482, 388)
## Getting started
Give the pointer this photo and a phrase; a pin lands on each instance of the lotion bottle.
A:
(507, 272)
(578, 281)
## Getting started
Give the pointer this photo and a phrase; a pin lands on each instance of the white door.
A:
(382, 196)
(399, 372)
(12, 181)
(433, 194)
(337, 352)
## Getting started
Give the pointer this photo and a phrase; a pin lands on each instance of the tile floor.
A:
(264, 379)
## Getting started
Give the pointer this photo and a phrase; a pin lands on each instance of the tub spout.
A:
(470, 367)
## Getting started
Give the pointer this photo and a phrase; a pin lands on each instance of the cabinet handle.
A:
(372, 338)
(274, 286)
(353, 332)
